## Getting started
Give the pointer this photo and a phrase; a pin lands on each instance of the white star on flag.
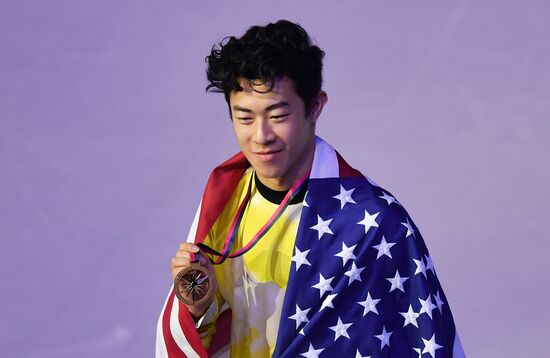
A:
(323, 285)
(438, 301)
(346, 253)
(312, 352)
(384, 337)
(354, 273)
(322, 227)
(430, 346)
(410, 317)
(327, 302)
(369, 221)
(359, 355)
(389, 199)
(397, 282)
(410, 230)
(427, 306)
(300, 316)
(420, 267)
(369, 304)
(383, 248)
(429, 264)
(340, 330)
(300, 257)
(345, 197)
(345, 249)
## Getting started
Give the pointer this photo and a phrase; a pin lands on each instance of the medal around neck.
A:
(193, 285)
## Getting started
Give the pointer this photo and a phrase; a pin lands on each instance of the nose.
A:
(264, 132)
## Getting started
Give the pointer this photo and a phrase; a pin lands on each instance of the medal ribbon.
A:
(233, 231)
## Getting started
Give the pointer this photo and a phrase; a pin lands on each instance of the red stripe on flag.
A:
(220, 186)
(171, 346)
(345, 170)
(191, 334)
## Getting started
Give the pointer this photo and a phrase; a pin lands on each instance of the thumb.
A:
(203, 260)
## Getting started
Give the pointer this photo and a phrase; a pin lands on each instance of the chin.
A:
(267, 169)
(269, 174)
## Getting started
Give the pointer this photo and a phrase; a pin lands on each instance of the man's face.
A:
(273, 131)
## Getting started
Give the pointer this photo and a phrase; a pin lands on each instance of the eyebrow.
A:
(267, 109)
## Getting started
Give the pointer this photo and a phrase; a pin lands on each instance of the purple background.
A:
(107, 137)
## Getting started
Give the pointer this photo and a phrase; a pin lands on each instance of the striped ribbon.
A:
(232, 235)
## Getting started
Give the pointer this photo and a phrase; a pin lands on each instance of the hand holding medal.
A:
(194, 278)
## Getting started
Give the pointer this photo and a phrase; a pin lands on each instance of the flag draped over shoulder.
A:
(361, 282)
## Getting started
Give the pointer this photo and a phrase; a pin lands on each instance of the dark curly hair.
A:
(267, 53)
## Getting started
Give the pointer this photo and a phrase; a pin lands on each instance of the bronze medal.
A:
(193, 286)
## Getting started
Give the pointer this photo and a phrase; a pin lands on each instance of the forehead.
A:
(257, 91)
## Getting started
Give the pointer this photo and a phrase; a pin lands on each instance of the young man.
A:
(316, 259)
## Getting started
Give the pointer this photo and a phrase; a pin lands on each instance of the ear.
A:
(317, 106)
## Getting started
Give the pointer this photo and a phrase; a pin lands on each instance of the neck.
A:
(277, 196)
(277, 184)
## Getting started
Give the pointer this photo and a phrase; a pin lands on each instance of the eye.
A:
(280, 116)
(245, 120)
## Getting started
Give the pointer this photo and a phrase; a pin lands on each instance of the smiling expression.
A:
(273, 131)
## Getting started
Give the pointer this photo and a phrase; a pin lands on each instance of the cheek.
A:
(294, 135)
(242, 135)
(287, 132)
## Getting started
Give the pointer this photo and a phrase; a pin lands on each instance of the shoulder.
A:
(391, 217)
(355, 199)
(388, 227)
(356, 196)
(228, 209)
(359, 208)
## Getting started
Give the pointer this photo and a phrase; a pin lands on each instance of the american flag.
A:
(361, 284)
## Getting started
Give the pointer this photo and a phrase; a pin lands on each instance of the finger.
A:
(182, 253)
(180, 262)
(189, 246)
(202, 259)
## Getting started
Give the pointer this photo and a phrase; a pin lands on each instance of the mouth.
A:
(267, 155)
